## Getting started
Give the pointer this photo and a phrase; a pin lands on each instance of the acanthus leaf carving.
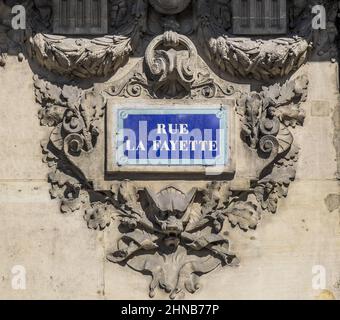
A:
(245, 215)
(267, 115)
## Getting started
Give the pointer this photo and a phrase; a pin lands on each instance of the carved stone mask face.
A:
(170, 222)
(170, 208)
(170, 6)
(172, 225)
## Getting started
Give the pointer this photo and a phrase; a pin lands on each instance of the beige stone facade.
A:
(283, 258)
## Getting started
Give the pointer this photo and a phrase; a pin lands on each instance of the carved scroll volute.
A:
(172, 63)
(269, 128)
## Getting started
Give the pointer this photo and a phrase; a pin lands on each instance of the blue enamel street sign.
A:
(187, 137)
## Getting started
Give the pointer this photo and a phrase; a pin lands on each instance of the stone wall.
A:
(64, 259)
(63, 98)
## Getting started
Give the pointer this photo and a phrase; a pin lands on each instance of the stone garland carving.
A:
(172, 235)
(264, 59)
(83, 58)
(254, 59)
(249, 58)
(73, 57)
(133, 23)
(86, 58)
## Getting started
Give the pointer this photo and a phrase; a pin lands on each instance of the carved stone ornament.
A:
(173, 235)
(83, 58)
(173, 70)
(170, 50)
(134, 23)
